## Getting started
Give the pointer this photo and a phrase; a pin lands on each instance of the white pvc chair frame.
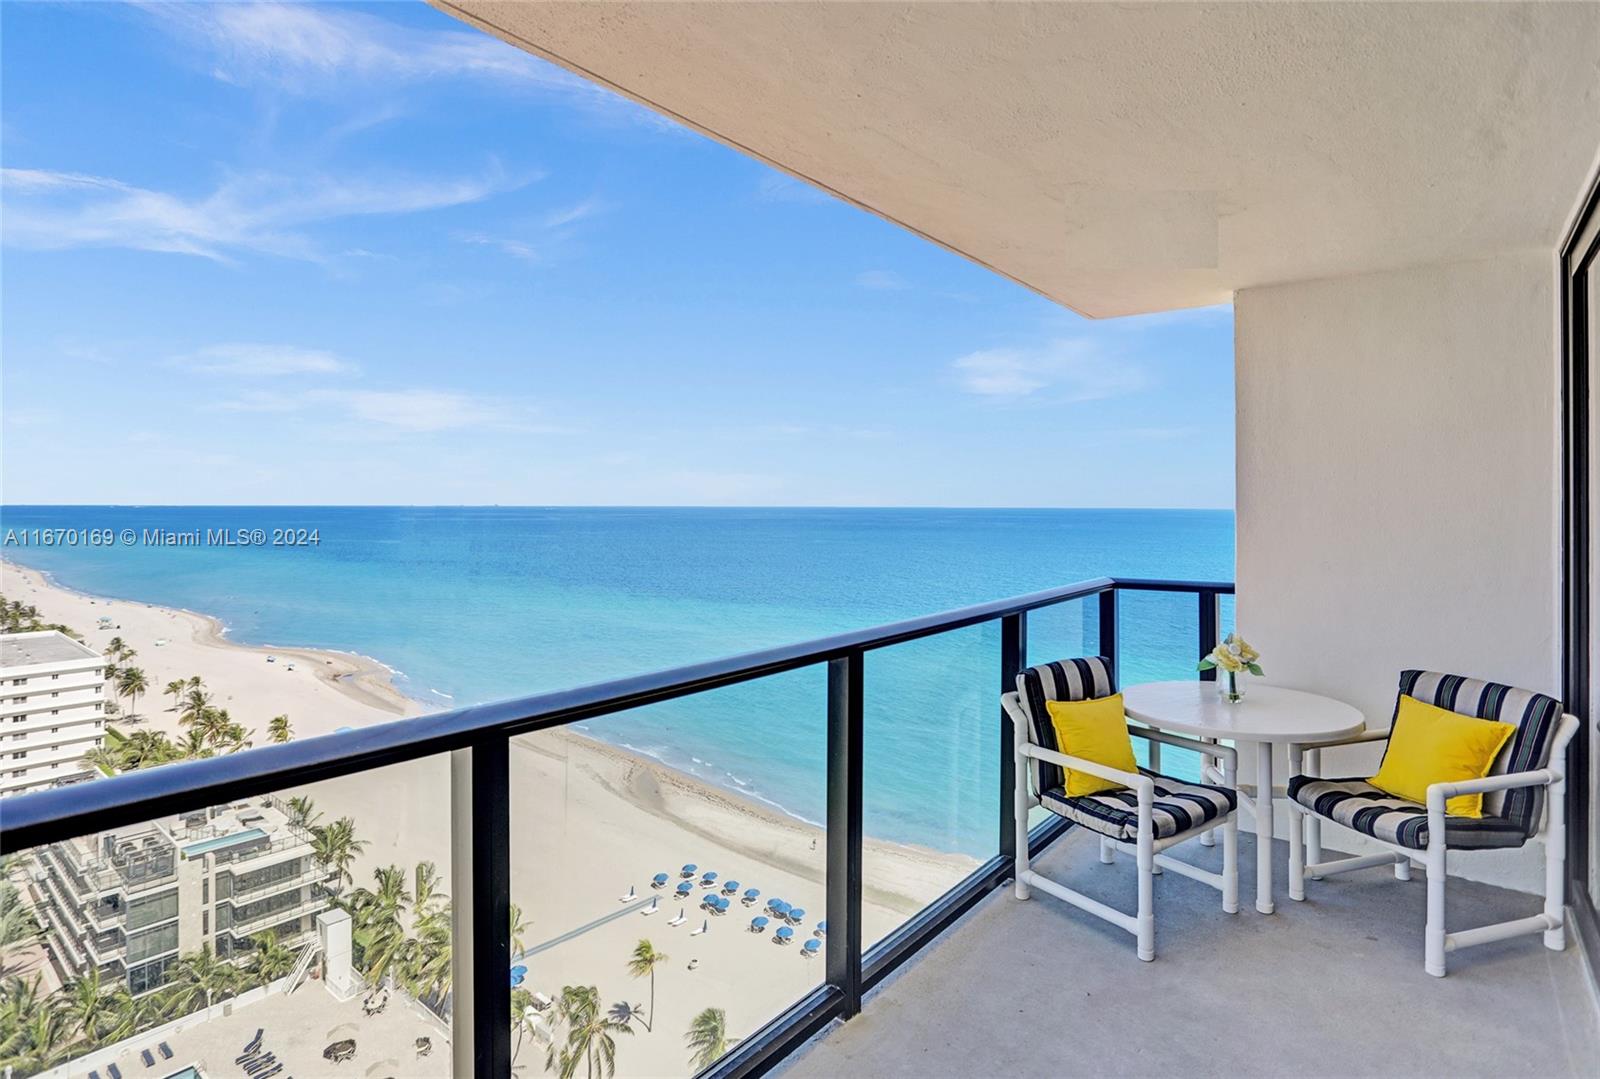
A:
(1146, 848)
(1305, 841)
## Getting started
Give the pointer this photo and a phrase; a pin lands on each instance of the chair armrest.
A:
(1440, 793)
(1141, 783)
(1352, 740)
(1210, 749)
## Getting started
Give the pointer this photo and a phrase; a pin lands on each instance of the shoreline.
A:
(592, 824)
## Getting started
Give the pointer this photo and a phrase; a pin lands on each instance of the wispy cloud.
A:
(405, 411)
(263, 361)
(882, 281)
(539, 240)
(1064, 370)
(258, 212)
(306, 49)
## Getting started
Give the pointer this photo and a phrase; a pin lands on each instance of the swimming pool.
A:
(191, 1072)
(206, 846)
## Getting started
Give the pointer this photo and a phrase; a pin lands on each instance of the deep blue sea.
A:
(475, 604)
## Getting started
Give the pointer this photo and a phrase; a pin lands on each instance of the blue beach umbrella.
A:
(778, 906)
(758, 923)
(813, 945)
(685, 888)
(689, 870)
(797, 915)
(822, 929)
(709, 875)
(785, 933)
(729, 887)
(659, 879)
(752, 893)
(518, 973)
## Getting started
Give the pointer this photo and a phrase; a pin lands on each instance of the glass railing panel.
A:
(644, 845)
(930, 770)
(143, 959)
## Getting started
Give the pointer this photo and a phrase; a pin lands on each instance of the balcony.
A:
(1319, 968)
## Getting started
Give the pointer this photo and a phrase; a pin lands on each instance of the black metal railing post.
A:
(1108, 629)
(1210, 612)
(491, 907)
(1013, 658)
(845, 729)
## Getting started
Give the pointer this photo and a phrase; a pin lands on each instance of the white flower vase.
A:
(1230, 686)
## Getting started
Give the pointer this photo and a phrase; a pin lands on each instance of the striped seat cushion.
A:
(1535, 716)
(1179, 807)
(1065, 680)
(1359, 805)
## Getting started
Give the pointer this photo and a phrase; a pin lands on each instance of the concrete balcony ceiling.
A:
(1123, 159)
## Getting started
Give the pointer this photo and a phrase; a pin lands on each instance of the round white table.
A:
(1267, 715)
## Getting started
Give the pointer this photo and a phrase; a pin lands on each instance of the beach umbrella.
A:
(751, 893)
(517, 974)
(659, 878)
(822, 929)
(685, 888)
(785, 933)
(778, 906)
(797, 915)
(689, 870)
(758, 923)
(709, 876)
(729, 887)
(813, 945)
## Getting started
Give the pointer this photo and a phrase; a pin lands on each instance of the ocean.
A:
(475, 604)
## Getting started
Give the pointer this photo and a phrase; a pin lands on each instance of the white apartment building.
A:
(52, 709)
(131, 901)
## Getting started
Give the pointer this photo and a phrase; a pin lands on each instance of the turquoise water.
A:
(206, 846)
(475, 604)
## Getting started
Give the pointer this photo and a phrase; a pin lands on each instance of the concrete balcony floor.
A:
(1332, 986)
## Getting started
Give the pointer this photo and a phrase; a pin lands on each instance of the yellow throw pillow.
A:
(1096, 730)
(1435, 745)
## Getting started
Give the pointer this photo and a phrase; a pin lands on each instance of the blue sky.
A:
(365, 254)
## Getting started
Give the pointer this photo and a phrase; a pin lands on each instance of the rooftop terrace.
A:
(35, 649)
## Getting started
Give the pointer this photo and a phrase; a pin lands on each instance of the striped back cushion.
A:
(1533, 714)
(1064, 680)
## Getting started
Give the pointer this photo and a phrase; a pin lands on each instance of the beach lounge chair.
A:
(270, 1072)
(630, 897)
(254, 1043)
(424, 1046)
(1530, 768)
(655, 905)
(114, 1071)
(94, 1074)
(166, 1051)
(703, 927)
(679, 920)
(1137, 810)
(148, 1057)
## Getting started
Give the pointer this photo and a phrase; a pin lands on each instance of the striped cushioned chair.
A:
(1513, 807)
(1148, 814)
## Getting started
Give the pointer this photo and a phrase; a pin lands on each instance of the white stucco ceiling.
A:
(1129, 158)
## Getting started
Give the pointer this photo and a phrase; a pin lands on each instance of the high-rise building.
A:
(52, 709)
(131, 901)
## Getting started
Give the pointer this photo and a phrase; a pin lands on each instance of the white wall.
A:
(1399, 487)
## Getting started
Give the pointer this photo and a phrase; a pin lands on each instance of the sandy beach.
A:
(590, 822)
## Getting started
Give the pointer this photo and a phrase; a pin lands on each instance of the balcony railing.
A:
(480, 736)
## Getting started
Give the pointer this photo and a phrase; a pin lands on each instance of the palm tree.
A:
(336, 846)
(279, 730)
(145, 749)
(426, 893)
(201, 980)
(273, 960)
(428, 969)
(88, 1004)
(303, 813)
(518, 927)
(130, 684)
(114, 647)
(589, 1038)
(194, 681)
(708, 1038)
(106, 759)
(18, 925)
(194, 703)
(175, 690)
(646, 958)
